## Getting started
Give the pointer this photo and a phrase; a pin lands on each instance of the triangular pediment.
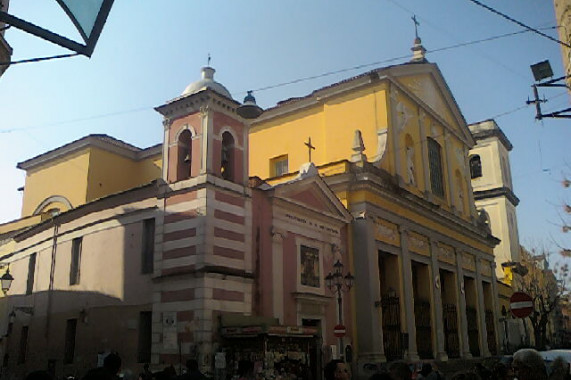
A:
(312, 195)
(425, 84)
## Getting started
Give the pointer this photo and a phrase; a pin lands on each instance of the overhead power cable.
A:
(519, 23)
(269, 87)
(30, 60)
(462, 44)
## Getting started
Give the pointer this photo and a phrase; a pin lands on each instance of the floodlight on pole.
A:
(542, 70)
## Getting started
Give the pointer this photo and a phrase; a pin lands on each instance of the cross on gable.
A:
(309, 147)
(416, 24)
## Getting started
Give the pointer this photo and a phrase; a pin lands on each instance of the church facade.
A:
(393, 145)
(216, 245)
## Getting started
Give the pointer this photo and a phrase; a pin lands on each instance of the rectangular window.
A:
(31, 274)
(74, 271)
(145, 335)
(435, 164)
(69, 348)
(279, 166)
(23, 345)
(309, 258)
(148, 246)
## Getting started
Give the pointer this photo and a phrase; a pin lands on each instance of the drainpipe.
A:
(51, 285)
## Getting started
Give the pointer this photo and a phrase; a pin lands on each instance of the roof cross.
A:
(208, 60)
(309, 147)
(416, 24)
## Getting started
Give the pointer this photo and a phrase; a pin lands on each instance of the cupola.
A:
(206, 82)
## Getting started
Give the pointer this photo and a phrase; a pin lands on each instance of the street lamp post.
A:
(339, 283)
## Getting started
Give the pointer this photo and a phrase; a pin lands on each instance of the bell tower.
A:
(203, 252)
(204, 135)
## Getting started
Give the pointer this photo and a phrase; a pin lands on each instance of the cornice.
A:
(379, 182)
(482, 134)
(496, 193)
(193, 103)
(104, 142)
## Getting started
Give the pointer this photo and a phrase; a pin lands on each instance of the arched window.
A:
(184, 155)
(227, 156)
(475, 166)
(435, 165)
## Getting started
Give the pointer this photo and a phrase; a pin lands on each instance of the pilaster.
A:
(394, 130)
(207, 134)
(407, 296)
(436, 295)
(450, 180)
(423, 151)
(277, 273)
(166, 143)
(495, 305)
(481, 310)
(462, 319)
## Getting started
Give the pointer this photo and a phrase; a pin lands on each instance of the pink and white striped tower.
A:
(203, 263)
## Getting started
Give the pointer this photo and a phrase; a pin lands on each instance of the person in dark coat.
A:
(111, 366)
(192, 371)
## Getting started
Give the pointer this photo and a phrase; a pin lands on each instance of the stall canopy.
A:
(88, 16)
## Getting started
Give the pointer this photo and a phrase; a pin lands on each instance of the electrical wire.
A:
(519, 23)
(30, 60)
(282, 84)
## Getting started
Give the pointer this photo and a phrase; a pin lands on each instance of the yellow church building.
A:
(393, 145)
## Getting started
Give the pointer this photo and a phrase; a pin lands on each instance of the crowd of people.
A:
(527, 364)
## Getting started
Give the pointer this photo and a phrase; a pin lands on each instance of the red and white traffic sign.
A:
(339, 331)
(521, 304)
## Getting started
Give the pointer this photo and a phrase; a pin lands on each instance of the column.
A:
(367, 286)
(463, 321)
(407, 296)
(436, 303)
(495, 304)
(278, 273)
(481, 309)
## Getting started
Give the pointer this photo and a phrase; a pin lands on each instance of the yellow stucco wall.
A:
(65, 176)
(83, 176)
(105, 166)
(331, 126)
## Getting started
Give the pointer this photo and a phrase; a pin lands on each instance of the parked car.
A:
(549, 356)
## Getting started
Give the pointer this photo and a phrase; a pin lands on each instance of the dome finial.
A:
(418, 51)
(208, 60)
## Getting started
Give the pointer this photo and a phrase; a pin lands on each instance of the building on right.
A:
(563, 19)
(490, 173)
(493, 192)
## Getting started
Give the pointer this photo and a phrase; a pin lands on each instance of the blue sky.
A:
(149, 51)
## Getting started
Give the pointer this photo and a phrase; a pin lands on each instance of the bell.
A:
(187, 158)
